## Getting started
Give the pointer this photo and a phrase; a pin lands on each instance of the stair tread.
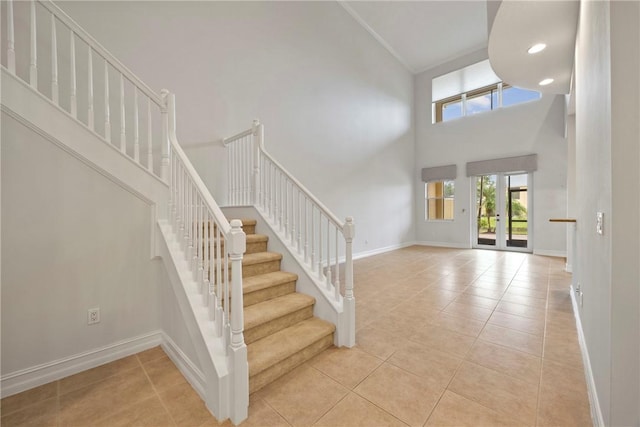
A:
(251, 238)
(257, 258)
(263, 312)
(264, 281)
(275, 348)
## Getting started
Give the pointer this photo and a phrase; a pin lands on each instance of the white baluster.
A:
(207, 267)
(294, 209)
(320, 244)
(313, 240)
(149, 137)
(349, 300)
(107, 113)
(168, 123)
(33, 63)
(54, 61)
(90, 116)
(328, 275)
(123, 133)
(299, 243)
(336, 282)
(11, 41)
(219, 277)
(306, 232)
(136, 131)
(72, 74)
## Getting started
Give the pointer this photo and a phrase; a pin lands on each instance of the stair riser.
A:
(256, 382)
(252, 247)
(275, 325)
(269, 293)
(260, 268)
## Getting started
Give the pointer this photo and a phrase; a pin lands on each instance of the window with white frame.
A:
(439, 200)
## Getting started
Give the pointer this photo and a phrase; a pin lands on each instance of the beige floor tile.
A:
(507, 361)
(519, 323)
(21, 400)
(468, 311)
(486, 293)
(348, 366)
(402, 394)
(398, 324)
(184, 405)
(458, 324)
(539, 285)
(97, 401)
(151, 354)
(510, 396)
(82, 379)
(147, 413)
(526, 292)
(303, 396)
(563, 349)
(163, 373)
(563, 394)
(43, 413)
(477, 301)
(524, 300)
(521, 310)
(377, 342)
(517, 340)
(444, 340)
(454, 410)
(436, 367)
(262, 415)
(354, 411)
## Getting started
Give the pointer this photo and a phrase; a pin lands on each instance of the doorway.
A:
(503, 211)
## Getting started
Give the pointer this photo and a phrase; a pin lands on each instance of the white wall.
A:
(337, 107)
(608, 180)
(72, 240)
(535, 127)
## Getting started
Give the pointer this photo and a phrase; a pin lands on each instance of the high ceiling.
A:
(424, 34)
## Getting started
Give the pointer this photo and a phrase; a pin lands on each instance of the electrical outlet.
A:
(600, 222)
(93, 316)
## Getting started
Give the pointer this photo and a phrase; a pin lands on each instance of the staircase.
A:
(279, 328)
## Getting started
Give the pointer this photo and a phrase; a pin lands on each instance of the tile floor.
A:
(445, 338)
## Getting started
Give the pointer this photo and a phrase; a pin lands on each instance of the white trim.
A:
(372, 252)
(375, 35)
(548, 252)
(188, 369)
(452, 245)
(596, 412)
(25, 379)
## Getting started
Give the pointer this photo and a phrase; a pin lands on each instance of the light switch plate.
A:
(600, 222)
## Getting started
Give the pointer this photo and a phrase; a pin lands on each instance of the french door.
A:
(503, 211)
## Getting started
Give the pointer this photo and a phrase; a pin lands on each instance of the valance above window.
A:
(439, 173)
(527, 163)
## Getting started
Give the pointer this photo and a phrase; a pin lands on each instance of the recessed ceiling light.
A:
(545, 82)
(538, 47)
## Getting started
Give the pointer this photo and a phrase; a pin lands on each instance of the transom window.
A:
(480, 100)
(439, 200)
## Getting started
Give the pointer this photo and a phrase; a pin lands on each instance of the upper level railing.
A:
(77, 74)
(321, 242)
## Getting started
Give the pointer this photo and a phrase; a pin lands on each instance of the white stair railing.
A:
(214, 249)
(139, 109)
(318, 239)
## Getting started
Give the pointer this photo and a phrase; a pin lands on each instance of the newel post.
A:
(349, 299)
(258, 138)
(237, 348)
(168, 111)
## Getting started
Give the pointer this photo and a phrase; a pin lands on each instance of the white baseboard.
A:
(378, 251)
(545, 252)
(596, 412)
(185, 365)
(35, 376)
(452, 245)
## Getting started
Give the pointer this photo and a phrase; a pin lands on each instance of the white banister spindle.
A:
(90, 115)
(313, 240)
(167, 126)
(72, 74)
(328, 268)
(33, 63)
(320, 245)
(136, 131)
(123, 132)
(336, 272)
(11, 41)
(222, 257)
(349, 301)
(107, 111)
(206, 248)
(257, 142)
(306, 231)
(54, 61)
(149, 137)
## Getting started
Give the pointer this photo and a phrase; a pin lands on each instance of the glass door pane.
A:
(516, 211)
(485, 210)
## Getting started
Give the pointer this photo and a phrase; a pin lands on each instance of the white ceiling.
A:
(424, 34)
